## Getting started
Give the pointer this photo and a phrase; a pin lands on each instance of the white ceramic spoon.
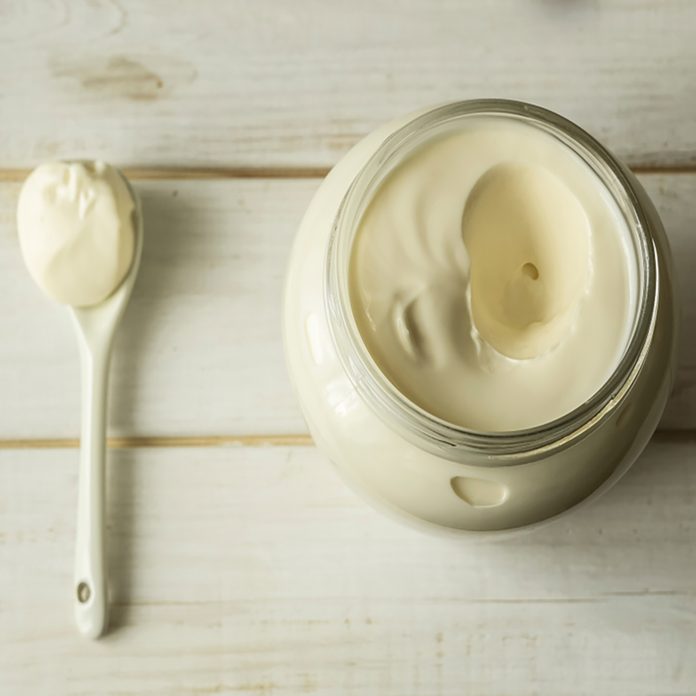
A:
(95, 328)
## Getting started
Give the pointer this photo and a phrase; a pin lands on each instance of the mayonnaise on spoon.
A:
(76, 230)
(80, 230)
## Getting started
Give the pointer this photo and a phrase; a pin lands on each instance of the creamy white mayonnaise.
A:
(76, 230)
(492, 278)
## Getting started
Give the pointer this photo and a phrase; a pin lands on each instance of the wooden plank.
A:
(295, 84)
(205, 318)
(671, 196)
(200, 350)
(256, 571)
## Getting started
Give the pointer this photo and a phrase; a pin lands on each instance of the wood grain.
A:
(255, 571)
(273, 83)
(200, 351)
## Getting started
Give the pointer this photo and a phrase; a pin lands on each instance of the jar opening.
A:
(415, 422)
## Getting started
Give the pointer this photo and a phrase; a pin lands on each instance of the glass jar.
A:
(404, 459)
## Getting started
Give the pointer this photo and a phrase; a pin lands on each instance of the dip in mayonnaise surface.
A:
(76, 230)
(492, 277)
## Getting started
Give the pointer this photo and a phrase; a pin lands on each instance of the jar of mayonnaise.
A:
(479, 317)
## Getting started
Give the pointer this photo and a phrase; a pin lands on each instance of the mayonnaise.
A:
(76, 230)
(491, 277)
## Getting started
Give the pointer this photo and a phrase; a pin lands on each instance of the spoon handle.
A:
(89, 590)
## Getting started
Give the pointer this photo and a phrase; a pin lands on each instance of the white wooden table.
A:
(240, 564)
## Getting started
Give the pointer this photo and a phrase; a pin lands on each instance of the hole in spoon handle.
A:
(90, 607)
(84, 592)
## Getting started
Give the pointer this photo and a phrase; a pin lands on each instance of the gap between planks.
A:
(202, 441)
(287, 440)
(154, 173)
(179, 173)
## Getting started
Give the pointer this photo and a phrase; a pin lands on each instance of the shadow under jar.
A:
(401, 456)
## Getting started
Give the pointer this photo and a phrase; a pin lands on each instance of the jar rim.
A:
(421, 427)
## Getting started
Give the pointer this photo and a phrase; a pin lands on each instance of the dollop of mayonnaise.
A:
(528, 241)
(76, 230)
(492, 277)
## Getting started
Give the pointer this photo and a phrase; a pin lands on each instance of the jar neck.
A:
(401, 414)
